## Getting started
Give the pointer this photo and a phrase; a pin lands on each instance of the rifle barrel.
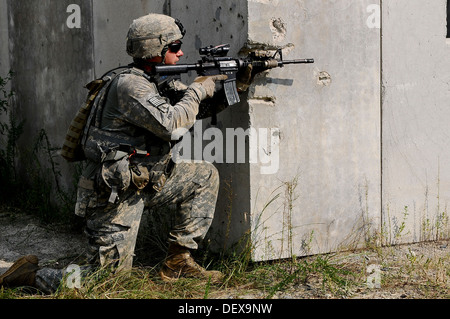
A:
(298, 61)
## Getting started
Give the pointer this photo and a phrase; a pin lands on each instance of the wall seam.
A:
(94, 71)
(381, 117)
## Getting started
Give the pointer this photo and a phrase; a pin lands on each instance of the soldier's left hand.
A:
(244, 78)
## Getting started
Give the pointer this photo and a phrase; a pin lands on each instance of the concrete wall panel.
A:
(213, 22)
(51, 62)
(416, 95)
(111, 21)
(4, 39)
(326, 191)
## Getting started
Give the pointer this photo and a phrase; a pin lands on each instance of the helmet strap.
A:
(164, 52)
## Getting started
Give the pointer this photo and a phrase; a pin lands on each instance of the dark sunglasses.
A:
(174, 47)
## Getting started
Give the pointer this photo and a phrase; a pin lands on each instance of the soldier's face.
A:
(174, 53)
(173, 58)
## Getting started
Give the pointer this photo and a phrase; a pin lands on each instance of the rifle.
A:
(215, 61)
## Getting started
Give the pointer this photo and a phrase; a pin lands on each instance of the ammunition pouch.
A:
(160, 172)
(120, 170)
(140, 176)
(116, 174)
(151, 170)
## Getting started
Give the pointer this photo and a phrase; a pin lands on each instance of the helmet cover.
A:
(148, 36)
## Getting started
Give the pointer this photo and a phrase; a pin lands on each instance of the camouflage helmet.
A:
(149, 36)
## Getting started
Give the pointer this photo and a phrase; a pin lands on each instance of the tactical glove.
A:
(208, 84)
(244, 78)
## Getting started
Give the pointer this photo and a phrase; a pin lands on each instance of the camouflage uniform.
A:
(134, 106)
(138, 112)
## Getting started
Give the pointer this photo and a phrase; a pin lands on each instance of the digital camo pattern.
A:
(48, 280)
(134, 108)
(148, 35)
(112, 230)
(140, 107)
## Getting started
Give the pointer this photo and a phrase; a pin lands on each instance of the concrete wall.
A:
(49, 81)
(416, 95)
(335, 150)
(111, 20)
(326, 191)
(53, 59)
(4, 48)
(213, 22)
(51, 63)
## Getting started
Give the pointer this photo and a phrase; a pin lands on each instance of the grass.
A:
(419, 270)
(406, 272)
(144, 283)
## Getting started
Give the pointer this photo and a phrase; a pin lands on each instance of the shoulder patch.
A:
(158, 102)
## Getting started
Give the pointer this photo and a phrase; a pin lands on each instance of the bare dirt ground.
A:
(415, 271)
(21, 234)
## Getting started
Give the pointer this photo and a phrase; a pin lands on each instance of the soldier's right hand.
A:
(208, 83)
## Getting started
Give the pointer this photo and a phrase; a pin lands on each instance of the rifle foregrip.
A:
(268, 64)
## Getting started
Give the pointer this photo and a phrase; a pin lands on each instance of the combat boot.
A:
(21, 273)
(179, 263)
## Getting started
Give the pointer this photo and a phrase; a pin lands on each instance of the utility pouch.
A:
(159, 173)
(86, 196)
(140, 176)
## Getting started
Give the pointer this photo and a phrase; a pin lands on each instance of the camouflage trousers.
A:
(112, 230)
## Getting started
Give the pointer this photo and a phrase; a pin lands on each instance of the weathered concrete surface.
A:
(51, 63)
(111, 20)
(4, 48)
(212, 23)
(416, 95)
(326, 191)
